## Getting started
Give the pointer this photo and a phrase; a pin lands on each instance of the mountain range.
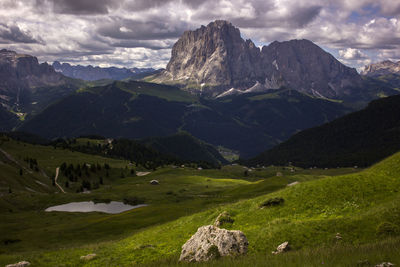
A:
(90, 73)
(214, 59)
(223, 90)
(386, 67)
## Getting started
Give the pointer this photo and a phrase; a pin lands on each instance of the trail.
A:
(55, 180)
(142, 173)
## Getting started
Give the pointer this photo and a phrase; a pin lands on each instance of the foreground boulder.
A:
(210, 242)
(19, 264)
(284, 247)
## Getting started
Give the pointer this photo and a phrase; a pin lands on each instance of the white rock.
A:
(88, 257)
(282, 248)
(19, 264)
(210, 242)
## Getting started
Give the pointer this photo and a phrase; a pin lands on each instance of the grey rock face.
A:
(381, 68)
(20, 74)
(210, 242)
(214, 59)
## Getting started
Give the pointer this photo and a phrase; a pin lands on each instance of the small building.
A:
(154, 182)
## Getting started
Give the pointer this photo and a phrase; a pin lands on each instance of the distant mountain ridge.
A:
(19, 72)
(215, 59)
(90, 73)
(386, 67)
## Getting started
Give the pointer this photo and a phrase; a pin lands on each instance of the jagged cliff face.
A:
(382, 68)
(20, 74)
(214, 56)
(215, 59)
(304, 66)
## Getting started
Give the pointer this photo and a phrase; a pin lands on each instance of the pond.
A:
(113, 207)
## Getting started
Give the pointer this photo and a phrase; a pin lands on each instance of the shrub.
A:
(387, 228)
(133, 201)
(276, 201)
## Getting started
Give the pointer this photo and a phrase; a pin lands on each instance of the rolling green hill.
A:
(360, 138)
(249, 123)
(363, 207)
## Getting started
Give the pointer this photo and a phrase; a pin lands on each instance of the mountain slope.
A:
(185, 147)
(360, 138)
(249, 124)
(214, 59)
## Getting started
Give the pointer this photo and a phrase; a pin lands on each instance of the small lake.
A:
(113, 207)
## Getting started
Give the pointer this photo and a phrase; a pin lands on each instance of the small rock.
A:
(19, 264)
(210, 242)
(154, 182)
(223, 218)
(294, 183)
(385, 264)
(338, 236)
(88, 257)
(284, 247)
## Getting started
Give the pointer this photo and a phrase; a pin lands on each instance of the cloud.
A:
(134, 29)
(80, 7)
(352, 54)
(13, 34)
(111, 31)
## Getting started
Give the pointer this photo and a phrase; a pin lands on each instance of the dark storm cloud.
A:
(13, 34)
(126, 29)
(302, 16)
(80, 7)
(139, 5)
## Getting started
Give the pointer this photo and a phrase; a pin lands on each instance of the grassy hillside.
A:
(360, 138)
(27, 230)
(363, 207)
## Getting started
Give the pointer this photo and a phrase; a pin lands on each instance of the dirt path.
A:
(142, 173)
(55, 180)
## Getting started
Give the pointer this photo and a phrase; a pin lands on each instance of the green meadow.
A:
(361, 205)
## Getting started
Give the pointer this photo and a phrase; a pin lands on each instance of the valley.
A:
(159, 141)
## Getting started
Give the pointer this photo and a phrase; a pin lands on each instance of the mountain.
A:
(248, 124)
(214, 59)
(386, 67)
(185, 147)
(20, 73)
(90, 73)
(27, 87)
(360, 138)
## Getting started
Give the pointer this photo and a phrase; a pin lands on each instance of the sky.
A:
(141, 33)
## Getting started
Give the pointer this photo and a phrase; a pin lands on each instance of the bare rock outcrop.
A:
(284, 247)
(210, 242)
(19, 264)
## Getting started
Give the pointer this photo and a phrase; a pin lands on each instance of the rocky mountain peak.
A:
(215, 60)
(381, 68)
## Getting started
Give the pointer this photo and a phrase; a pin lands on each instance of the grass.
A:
(361, 205)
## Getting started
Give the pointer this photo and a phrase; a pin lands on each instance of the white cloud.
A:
(352, 53)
